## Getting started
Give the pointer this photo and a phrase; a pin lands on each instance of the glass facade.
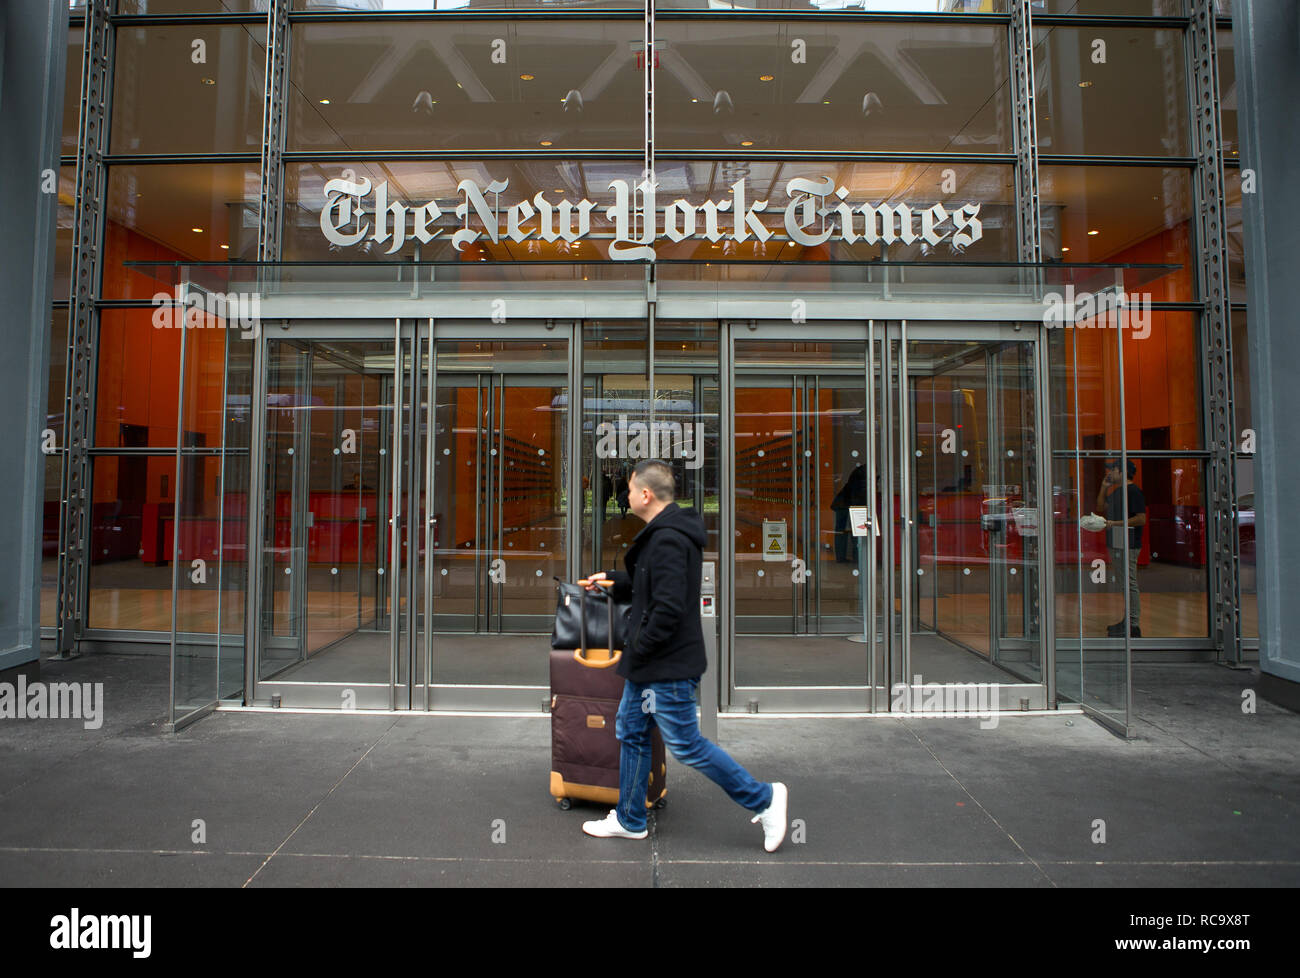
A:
(426, 466)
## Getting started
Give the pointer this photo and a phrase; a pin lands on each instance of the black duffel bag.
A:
(584, 619)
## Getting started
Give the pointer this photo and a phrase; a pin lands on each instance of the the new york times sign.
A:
(818, 211)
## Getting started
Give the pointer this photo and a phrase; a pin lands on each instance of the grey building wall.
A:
(1266, 37)
(33, 48)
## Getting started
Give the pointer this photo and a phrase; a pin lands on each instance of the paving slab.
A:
(1202, 795)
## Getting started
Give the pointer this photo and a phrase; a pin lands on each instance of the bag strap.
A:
(609, 605)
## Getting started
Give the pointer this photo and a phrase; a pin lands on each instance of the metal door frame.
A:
(892, 403)
(409, 473)
(901, 458)
(774, 699)
(448, 697)
(367, 695)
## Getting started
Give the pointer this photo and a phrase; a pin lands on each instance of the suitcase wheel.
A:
(565, 804)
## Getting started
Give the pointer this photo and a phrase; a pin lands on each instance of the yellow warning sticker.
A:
(774, 540)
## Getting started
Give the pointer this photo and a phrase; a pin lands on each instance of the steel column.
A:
(1028, 229)
(268, 249)
(272, 183)
(1040, 588)
(74, 523)
(1216, 331)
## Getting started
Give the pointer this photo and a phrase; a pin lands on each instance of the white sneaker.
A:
(773, 818)
(611, 828)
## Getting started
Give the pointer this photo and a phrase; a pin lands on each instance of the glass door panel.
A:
(962, 456)
(767, 521)
(1093, 646)
(530, 501)
(800, 464)
(328, 480)
(498, 509)
(500, 501)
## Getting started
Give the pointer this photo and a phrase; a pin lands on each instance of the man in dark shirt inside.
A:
(1110, 503)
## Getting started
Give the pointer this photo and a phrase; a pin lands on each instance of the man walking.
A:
(663, 660)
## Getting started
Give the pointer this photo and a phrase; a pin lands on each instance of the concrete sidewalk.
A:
(1204, 795)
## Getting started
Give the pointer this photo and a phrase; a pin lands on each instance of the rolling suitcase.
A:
(585, 693)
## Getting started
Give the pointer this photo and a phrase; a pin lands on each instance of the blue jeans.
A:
(671, 707)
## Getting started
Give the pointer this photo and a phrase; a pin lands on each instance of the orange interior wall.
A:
(1161, 370)
(138, 373)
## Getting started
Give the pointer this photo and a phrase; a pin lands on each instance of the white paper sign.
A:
(774, 540)
(859, 521)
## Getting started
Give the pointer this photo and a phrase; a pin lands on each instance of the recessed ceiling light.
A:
(746, 142)
(324, 101)
(559, 190)
(1085, 84)
(225, 247)
(1065, 247)
(694, 100)
(526, 77)
(764, 77)
(208, 81)
(826, 101)
(546, 142)
(197, 230)
(1094, 232)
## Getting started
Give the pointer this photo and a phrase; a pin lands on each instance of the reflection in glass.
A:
(616, 402)
(974, 481)
(1111, 91)
(1234, 235)
(175, 212)
(170, 96)
(442, 85)
(1227, 66)
(1122, 214)
(53, 495)
(834, 86)
(72, 90)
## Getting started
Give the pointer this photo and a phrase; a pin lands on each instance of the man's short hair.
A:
(657, 476)
(1113, 463)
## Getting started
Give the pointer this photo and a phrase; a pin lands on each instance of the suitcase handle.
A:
(596, 664)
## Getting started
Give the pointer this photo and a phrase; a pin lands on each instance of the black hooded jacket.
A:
(663, 637)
